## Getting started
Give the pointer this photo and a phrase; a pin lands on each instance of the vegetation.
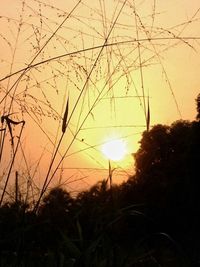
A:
(150, 220)
(58, 67)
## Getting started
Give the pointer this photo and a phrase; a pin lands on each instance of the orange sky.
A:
(152, 48)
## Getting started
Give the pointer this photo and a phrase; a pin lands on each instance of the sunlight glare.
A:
(115, 149)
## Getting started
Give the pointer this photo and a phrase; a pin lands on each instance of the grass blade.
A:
(64, 124)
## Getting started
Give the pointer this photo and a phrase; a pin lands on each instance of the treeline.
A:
(150, 220)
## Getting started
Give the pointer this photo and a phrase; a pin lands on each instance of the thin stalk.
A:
(135, 40)
(2, 138)
(64, 127)
(80, 128)
(16, 187)
(15, 84)
(140, 64)
(10, 71)
(110, 173)
(46, 183)
(12, 163)
(48, 172)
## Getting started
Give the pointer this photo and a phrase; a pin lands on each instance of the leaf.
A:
(64, 124)
(9, 122)
(148, 115)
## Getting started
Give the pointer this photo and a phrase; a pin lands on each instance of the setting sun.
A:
(114, 149)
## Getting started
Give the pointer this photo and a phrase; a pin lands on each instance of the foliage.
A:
(167, 175)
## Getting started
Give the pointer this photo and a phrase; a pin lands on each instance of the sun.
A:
(115, 149)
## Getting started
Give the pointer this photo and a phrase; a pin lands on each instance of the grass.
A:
(79, 60)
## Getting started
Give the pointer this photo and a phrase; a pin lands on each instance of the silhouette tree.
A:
(55, 206)
(54, 220)
(167, 176)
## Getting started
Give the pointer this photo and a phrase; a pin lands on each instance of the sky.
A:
(103, 61)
